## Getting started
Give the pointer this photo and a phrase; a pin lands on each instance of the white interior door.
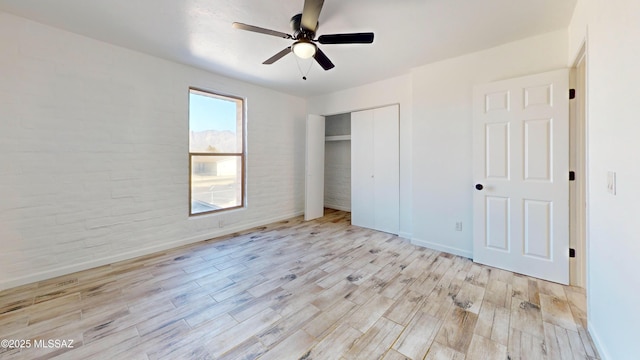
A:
(521, 167)
(314, 168)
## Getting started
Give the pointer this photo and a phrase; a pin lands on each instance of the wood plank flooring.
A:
(297, 290)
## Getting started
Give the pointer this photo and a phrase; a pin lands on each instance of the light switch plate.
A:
(611, 182)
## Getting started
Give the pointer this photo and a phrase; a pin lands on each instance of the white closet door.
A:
(314, 182)
(362, 170)
(386, 152)
(375, 169)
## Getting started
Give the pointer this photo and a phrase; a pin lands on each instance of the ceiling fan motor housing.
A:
(298, 31)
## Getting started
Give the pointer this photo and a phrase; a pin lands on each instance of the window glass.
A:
(216, 152)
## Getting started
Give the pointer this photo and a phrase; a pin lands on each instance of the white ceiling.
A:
(408, 33)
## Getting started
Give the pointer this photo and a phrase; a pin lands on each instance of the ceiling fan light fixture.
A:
(304, 49)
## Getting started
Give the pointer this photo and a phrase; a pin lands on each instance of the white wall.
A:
(391, 91)
(93, 153)
(613, 75)
(442, 112)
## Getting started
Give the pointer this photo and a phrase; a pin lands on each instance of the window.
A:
(216, 152)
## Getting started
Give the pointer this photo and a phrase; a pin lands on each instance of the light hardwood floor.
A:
(298, 290)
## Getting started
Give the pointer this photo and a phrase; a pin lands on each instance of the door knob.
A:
(479, 187)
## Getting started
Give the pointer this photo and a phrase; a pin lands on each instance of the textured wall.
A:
(93, 153)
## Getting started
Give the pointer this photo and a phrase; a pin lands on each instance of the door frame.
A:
(578, 155)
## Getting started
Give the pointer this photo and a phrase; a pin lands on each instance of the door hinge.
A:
(572, 176)
(572, 94)
(572, 253)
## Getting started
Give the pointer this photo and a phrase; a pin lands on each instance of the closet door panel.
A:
(314, 168)
(362, 175)
(386, 163)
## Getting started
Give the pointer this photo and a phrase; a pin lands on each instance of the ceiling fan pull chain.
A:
(304, 74)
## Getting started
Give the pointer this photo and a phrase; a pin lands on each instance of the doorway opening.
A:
(337, 168)
(352, 164)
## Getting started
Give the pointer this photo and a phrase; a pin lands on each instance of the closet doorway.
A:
(337, 162)
(361, 172)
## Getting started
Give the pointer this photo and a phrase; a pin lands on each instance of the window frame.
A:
(242, 155)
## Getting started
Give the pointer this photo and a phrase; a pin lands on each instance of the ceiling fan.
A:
(304, 27)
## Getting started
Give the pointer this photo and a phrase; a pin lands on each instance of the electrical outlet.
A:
(459, 226)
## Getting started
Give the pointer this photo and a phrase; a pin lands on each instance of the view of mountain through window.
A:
(216, 152)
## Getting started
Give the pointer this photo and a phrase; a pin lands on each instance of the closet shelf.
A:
(337, 138)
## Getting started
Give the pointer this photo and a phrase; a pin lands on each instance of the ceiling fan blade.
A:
(310, 14)
(260, 30)
(323, 60)
(277, 56)
(354, 38)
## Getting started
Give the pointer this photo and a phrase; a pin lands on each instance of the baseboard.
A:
(443, 248)
(404, 235)
(596, 341)
(338, 207)
(69, 269)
